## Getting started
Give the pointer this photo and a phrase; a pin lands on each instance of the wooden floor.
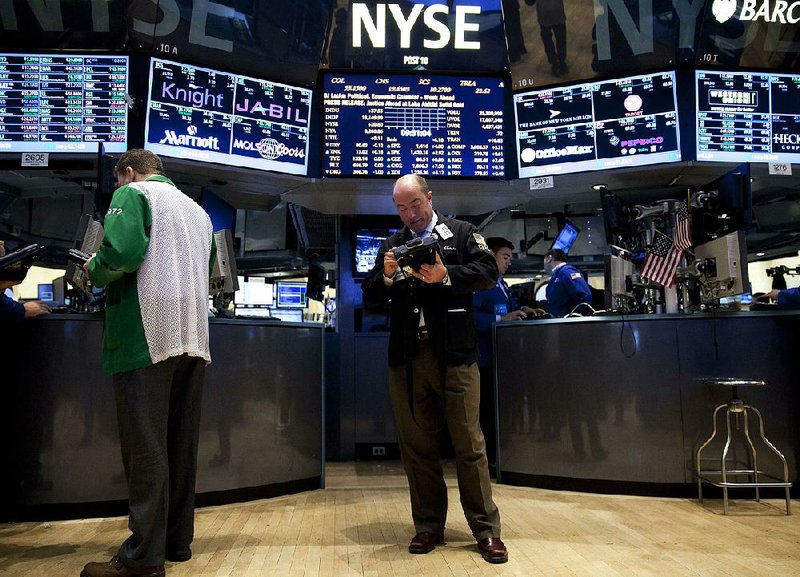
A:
(361, 525)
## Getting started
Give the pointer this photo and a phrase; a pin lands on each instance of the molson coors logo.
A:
(752, 10)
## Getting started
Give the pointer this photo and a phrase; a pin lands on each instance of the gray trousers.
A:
(158, 411)
(419, 443)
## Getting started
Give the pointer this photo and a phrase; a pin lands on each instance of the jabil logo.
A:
(781, 11)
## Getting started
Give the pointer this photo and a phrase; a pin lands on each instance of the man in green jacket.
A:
(155, 261)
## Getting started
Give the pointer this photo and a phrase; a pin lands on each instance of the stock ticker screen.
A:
(748, 117)
(597, 125)
(63, 103)
(433, 125)
(202, 114)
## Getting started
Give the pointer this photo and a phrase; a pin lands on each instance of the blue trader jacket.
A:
(10, 309)
(789, 299)
(487, 305)
(566, 290)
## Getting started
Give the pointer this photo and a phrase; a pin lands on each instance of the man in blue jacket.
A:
(11, 310)
(493, 306)
(567, 288)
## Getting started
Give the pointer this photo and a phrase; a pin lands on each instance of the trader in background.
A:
(566, 289)
(492, 306)
(11, 309)
(432, 365)
(786, 299)
(155, 260)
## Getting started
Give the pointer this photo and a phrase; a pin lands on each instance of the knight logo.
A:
(778, 11)
(269, 148)
(723, 10)
(190, 139)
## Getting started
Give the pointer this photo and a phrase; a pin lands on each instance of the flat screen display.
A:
(748, 117)
(290, 294)
(202, 114)
(566, 237)
(368, 243)
(597, 125)
(432, 125)
(63, 103)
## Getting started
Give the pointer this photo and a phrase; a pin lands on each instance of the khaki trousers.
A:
(459, 397)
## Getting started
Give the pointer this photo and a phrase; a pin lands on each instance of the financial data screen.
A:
(202, 114)
(60, 103)
(748, 117)
(433, 125)
(599, 125)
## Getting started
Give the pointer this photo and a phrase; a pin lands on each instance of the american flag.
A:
(681, 236)
(662, 260)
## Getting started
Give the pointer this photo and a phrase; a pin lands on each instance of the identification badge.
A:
(444, 232)
(501, 309)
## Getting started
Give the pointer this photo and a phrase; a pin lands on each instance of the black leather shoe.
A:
(425, 542)
(493, 550)
(179, 555)
(116, 568)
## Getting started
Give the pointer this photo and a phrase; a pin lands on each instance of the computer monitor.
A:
(723, 266)
(254, 292)
(290, 294)
(224, 278)
(45, 292)
(88, 237)
(566, 237)
(288, 315)
(618, 272)
(367, 244)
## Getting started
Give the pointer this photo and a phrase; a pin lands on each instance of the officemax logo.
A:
(753, 10)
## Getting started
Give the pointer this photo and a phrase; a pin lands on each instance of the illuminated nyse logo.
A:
(780, 11)
(376, 27)
(190, 139)
(269, 148)
(196, 98)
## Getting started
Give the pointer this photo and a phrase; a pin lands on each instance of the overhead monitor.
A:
(63, 102)
(428, 124)
(566, 237)
(748, 117)
(290, 294)
(630, 121)
(202, 114)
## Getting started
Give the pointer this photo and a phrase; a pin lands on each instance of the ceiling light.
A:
(599, 186)
(760, 254)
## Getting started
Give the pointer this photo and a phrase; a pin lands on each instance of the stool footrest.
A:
(776, 483)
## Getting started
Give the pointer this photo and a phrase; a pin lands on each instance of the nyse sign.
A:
(375, 25)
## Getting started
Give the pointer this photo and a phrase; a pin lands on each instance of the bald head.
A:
(413, 200)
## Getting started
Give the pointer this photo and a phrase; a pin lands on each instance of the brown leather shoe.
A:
(425, 542)
(116, 568)
(493, 550)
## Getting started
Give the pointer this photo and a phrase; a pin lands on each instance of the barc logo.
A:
(723, 10)
(269, 148)
(781, 12)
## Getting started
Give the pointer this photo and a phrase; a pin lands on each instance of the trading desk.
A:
(616, 404)
(261, 428)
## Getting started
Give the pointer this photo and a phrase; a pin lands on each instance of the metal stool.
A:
(736, 407)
